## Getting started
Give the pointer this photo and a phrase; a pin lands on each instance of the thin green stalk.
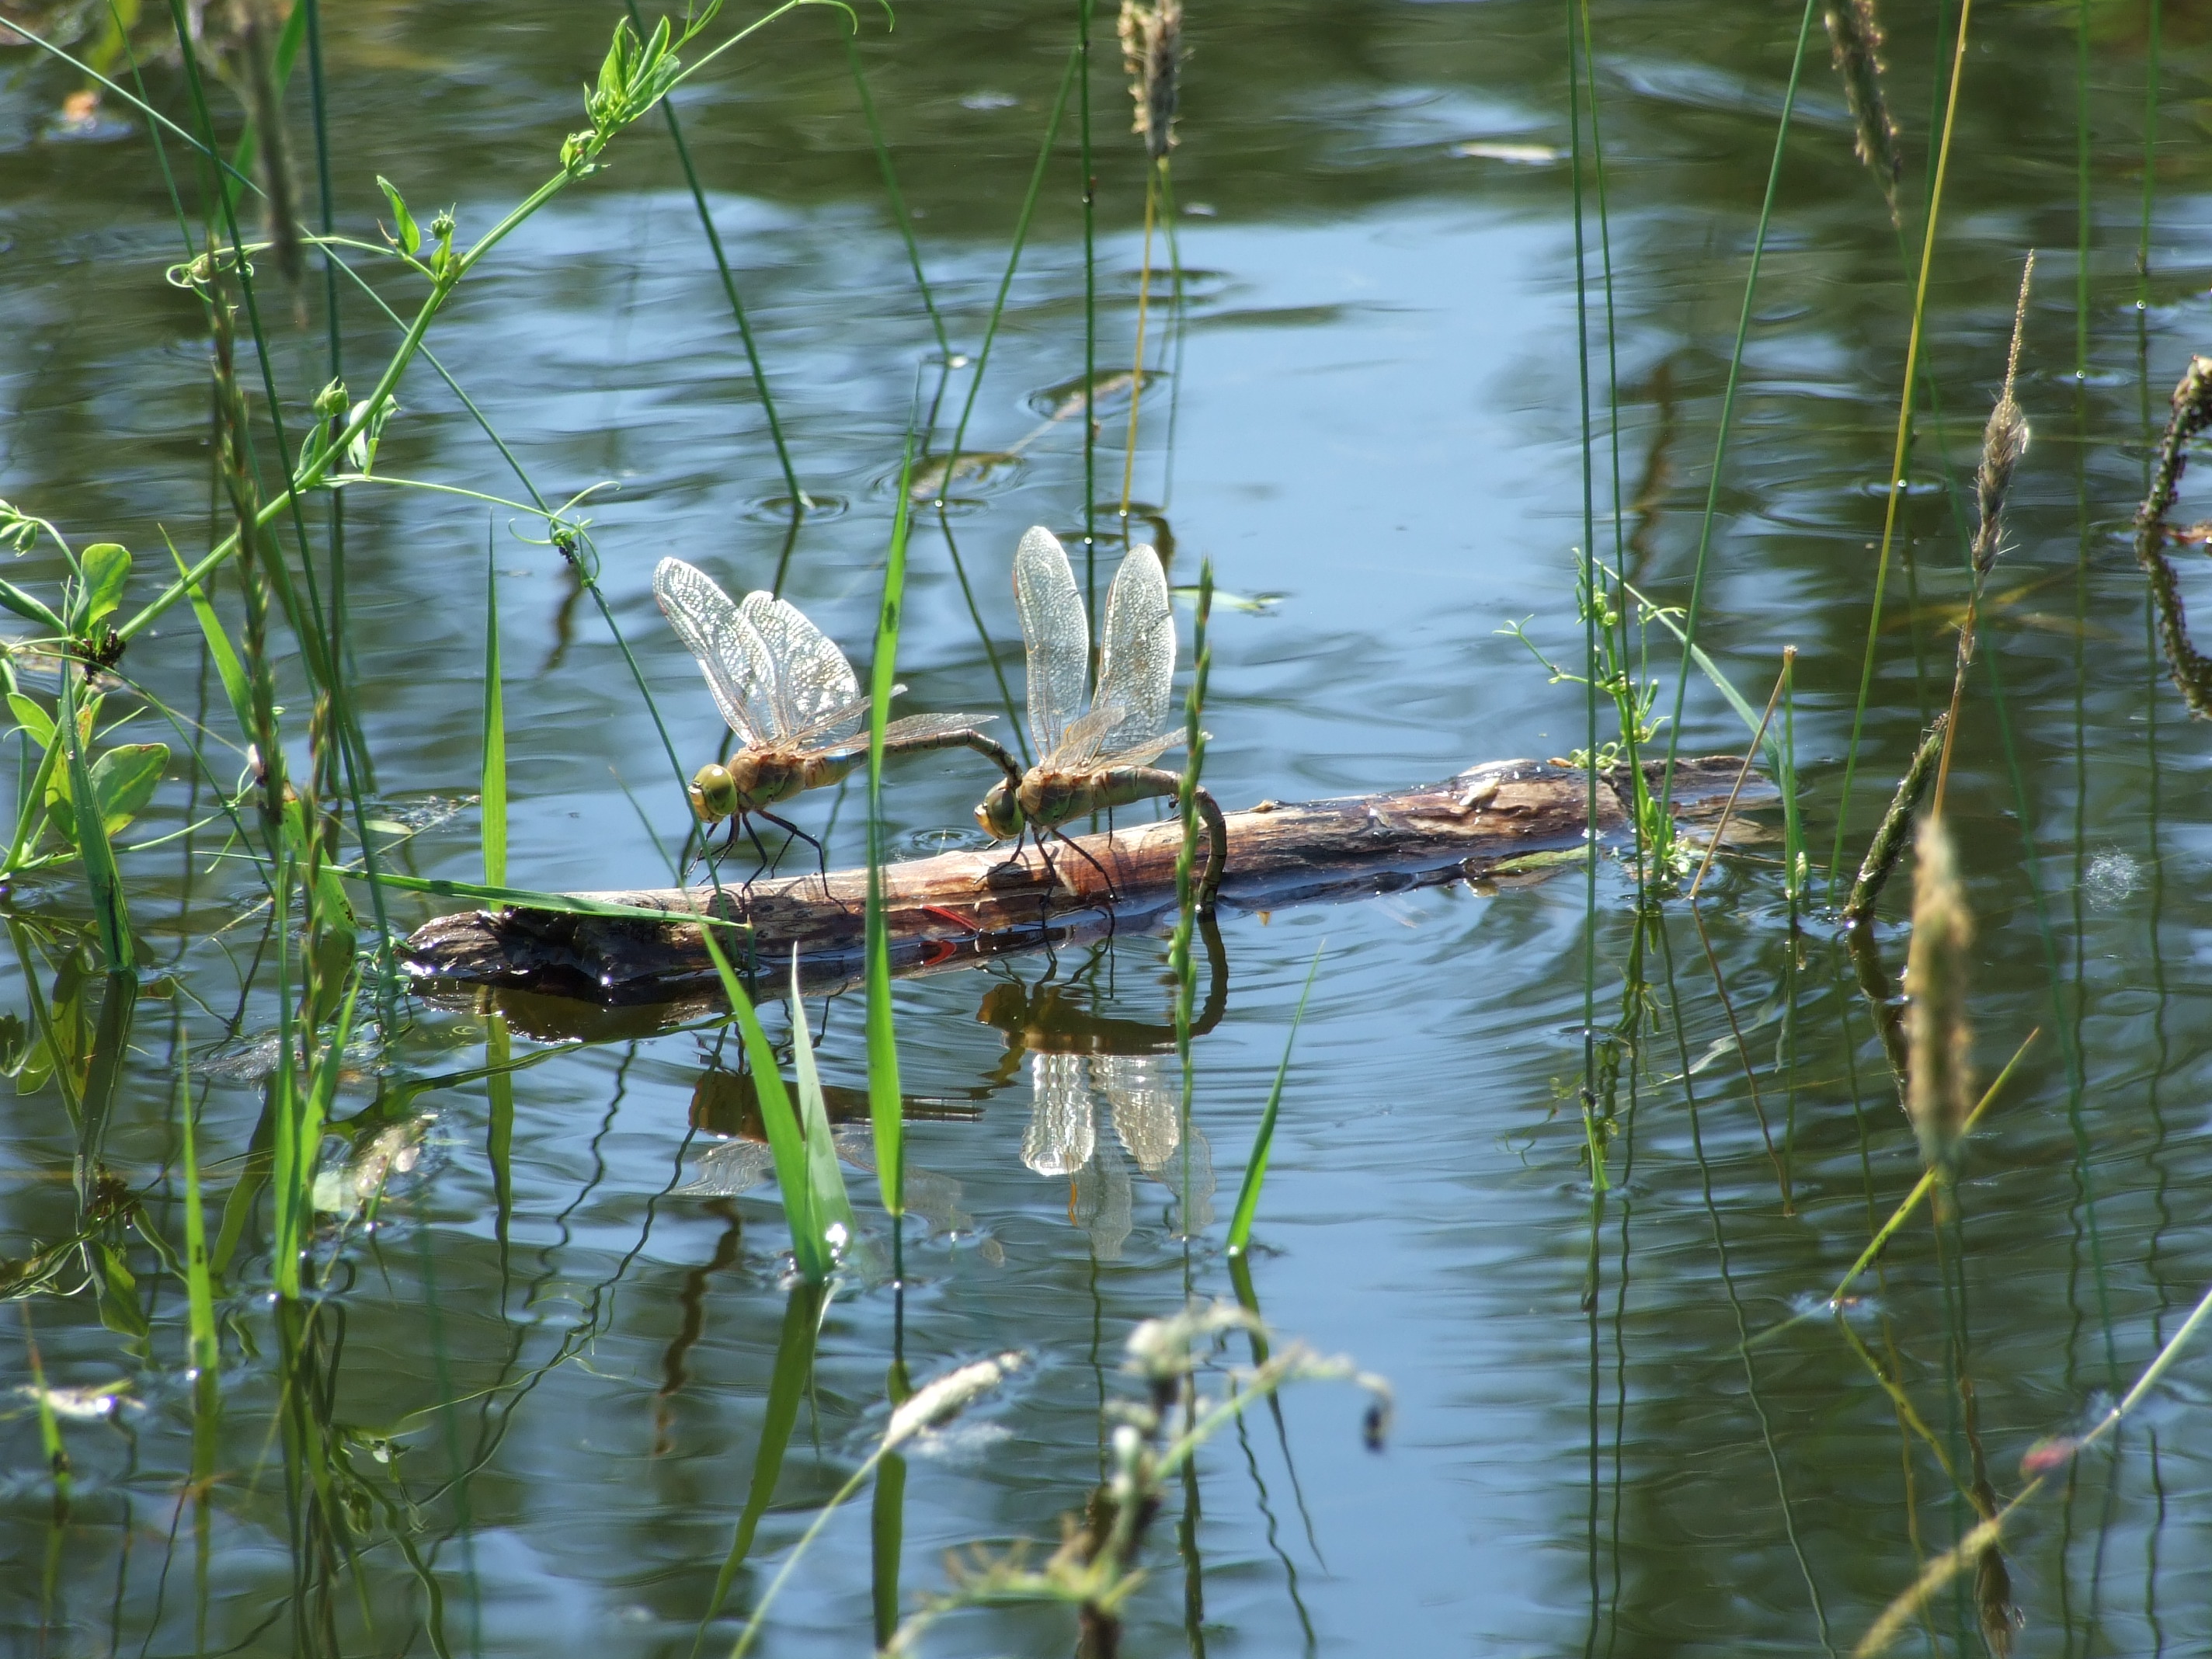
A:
(1137, 358)
(1263, 1138)
(493, 788)
(1082, 15)
(109, 907)
(1180, 962)
(1013, 262)
(900, 214)
(1689, 630)
(2152, 71)
(886, 1111)
(799, 501)
(1896, 481)
(1590, 607)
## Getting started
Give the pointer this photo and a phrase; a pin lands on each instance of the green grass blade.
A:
(112, 918)
(49, 1428)
(228, 668)
(798, 498)
(1013, 262)
(785, 1143)
(1263, 1140)
(1903, 446)
(199, 1281)
(901, 216)
(886, 1111)
(494, 787)
(1728, 408)
(826, 1198)
(499, 1130)
(786, 1388)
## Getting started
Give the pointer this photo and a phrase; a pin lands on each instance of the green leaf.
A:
(227, 665)
(25, 606)
(1263, 1140)
(106, 567)
(825, 1182)
(91, 837)
(32, 719)
(493, 795)
(886, 1107)
(410, 233)
(122, 781)
(808, 1251)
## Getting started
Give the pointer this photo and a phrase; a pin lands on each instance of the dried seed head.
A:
(1855, 40)
(1941, 1094)
(1151, 51)
(2004, 441)
(944, 1398)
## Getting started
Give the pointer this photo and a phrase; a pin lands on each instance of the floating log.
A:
(954, 909)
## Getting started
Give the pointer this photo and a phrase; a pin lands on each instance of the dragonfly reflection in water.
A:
(794, 702)
(1079, 1059)
(1103, 758)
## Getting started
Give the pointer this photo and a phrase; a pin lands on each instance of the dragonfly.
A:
(794, 702)
(1101, 759)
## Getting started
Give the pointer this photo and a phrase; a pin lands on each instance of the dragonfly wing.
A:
(729, 651)
(835, 724)
(1084, 740)
(1142, 754)
(1057, 632)
(1137, 649)
(813, 687)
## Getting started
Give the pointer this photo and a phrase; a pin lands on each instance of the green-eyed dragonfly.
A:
(793, 701)
(1103, 758)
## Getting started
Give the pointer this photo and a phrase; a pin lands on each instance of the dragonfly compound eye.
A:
(714, 794)
(999, 814)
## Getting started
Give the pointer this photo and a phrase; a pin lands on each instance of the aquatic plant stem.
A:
(1728, 414)
(1013, 262)
(1896, 481)
(900, 213)
(1137, 357)
(1082, 15)
(799, 501)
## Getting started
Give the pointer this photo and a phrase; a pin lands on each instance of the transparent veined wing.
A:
(1147, 1113)
(1082, 742)
(1062, 1135)
(913, 729)
(1140, 754)
(1136, 651)
(1057, 632)
(729, 651)
(811, 688)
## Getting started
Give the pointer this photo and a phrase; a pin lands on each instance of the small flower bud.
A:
(331, 401)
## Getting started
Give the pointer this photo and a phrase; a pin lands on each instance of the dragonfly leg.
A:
(821, 852)
(1111, 895)
(766, 862)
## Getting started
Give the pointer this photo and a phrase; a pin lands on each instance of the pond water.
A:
(564, 1368)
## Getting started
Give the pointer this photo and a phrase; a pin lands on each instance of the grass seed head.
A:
(1151, 52)
(1941, 1094)
(2004, 441)
(1854, 39)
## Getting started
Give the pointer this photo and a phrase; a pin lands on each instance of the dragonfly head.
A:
(1000, 812)
(714, 793)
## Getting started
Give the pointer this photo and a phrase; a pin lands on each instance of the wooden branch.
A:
(954, 909)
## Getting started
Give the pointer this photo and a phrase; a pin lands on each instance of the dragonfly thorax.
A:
(749, 780)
